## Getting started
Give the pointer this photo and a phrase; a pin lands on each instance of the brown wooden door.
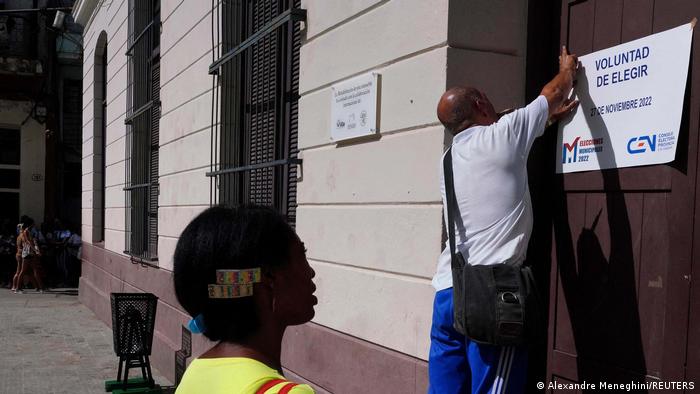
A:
(623, 239)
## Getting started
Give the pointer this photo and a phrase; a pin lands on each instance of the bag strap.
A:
(452, 209)
(287, 388)
(268, 385)
(274, 382)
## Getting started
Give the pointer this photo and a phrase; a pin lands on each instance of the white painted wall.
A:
(111, 17)
(185, 119)
(33, 155)
(370, 211)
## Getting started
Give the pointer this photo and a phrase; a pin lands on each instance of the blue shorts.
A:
(458, 365)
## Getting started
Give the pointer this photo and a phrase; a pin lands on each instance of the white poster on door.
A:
(631, 101)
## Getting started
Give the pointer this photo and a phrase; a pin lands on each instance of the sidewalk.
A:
(50, 343)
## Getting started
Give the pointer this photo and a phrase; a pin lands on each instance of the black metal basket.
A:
(133, 322)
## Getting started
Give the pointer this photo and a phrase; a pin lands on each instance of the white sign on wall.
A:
(631, 101)
(354, 107)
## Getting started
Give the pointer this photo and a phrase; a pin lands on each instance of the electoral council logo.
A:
(641, 144)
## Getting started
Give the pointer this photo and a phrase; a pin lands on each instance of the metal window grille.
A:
(255, 64)
(103, 147)
(18, 34)
(72, 115)
(142, 130)
(10, 147)
(71, 139)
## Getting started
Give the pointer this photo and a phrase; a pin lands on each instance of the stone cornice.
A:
(83, 10)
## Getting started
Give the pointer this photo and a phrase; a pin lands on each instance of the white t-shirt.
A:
(490, 177)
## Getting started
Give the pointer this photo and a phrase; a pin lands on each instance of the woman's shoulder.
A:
(235, 375)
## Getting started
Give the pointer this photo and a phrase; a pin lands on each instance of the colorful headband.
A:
(234, 283)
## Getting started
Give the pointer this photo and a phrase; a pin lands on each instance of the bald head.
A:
(462, 106)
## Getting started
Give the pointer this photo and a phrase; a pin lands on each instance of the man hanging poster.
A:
(631, 99)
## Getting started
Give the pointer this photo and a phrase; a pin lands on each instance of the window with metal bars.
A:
(99, 140)
(142, 126)
(255, 64)
(102, 148)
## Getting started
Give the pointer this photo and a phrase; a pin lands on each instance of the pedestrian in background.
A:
(7, 256)
(74, 249)
(61, 236)
(29, 255)
(18, 253)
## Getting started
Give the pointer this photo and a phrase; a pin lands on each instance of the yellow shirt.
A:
(232, 375)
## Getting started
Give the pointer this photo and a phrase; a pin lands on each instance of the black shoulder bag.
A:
(493, 304)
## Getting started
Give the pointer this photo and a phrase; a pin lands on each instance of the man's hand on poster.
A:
(568, 64)
(567, 107)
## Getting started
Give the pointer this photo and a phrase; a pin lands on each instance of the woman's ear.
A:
(269, 278)
(268, 284)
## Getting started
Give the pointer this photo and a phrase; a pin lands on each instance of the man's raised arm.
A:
(558, 89)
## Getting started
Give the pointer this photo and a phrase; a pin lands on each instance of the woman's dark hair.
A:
(248, 236)
(28, 222)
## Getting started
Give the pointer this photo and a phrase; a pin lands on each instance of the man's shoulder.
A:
(538, 107)
(484, 135)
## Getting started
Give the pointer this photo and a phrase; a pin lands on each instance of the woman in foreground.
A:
(242, 274)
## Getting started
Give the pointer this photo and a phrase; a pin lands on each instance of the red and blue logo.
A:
(569, 152)
(641, 144)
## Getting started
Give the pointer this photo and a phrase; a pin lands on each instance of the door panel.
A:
(693, 339)
(638, 16)
(623, 239)
(607, 26)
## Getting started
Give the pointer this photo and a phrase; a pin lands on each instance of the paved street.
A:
(50, 343)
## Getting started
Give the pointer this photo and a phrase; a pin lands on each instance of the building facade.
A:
(23, 186)
(40, 112)
(189, 104)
